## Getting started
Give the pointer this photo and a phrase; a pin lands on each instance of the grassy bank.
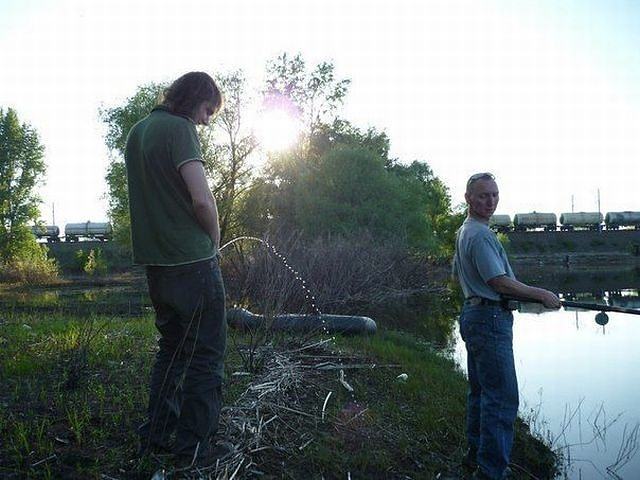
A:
(73, 390)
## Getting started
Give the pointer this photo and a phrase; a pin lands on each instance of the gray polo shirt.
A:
(479, 257)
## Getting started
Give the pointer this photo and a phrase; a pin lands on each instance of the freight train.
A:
(74, 232)
(569, 221)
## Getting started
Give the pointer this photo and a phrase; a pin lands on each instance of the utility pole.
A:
(600, 226)
(53, 213)
(572, 203)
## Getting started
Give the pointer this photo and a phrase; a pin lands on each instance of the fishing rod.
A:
(599, 307)
(585, 306)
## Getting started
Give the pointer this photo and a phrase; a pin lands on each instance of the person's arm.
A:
(202, 200)
(510, 286)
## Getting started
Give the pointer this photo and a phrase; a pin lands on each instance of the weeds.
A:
(29, 264)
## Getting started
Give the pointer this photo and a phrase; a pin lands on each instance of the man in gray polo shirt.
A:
(486, 326)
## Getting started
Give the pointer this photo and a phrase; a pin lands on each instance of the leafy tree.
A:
(21, 168)
(432, 196)
(313, 96)
(348, 183)
(342, 132)
(348, 190)
(316, 94)
(227, 146)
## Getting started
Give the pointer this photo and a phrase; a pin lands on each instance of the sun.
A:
(277, 128)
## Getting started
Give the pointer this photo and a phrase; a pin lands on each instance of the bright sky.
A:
(545, 94)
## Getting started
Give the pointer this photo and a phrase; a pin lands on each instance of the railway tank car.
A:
(580, 220)
(51, 233)
(626, 219)
(535, 220)
(500, 223)
(92, 230)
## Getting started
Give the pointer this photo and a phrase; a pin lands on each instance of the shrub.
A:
(32, 266)
(80, 260)
(95, 263)
(504, 240)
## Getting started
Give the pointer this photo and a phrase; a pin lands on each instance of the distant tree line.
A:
(336, 180)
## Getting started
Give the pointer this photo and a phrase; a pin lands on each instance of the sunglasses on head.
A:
(480, 176)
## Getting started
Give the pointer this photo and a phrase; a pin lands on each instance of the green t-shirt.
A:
(164, 227)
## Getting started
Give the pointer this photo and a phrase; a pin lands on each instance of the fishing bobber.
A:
(602, 319)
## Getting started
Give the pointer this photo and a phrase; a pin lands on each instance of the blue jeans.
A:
(186, 381)
(492, 403)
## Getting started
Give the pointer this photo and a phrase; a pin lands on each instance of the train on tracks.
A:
(568, 221)
(74, 232)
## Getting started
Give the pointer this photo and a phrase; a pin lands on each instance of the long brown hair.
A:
(189, 91)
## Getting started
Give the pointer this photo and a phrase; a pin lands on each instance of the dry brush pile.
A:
(284, 411)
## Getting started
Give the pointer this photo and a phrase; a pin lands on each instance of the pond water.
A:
(579, 381)
(118, 299)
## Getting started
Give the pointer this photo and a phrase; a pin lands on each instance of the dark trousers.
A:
(492, 403)
(186, 382)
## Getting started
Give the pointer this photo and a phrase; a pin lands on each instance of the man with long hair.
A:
(486, 326)
(175, 235)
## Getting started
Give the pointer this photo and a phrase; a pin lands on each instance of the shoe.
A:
(218, 452)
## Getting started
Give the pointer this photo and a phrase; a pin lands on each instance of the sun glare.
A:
(277, 129)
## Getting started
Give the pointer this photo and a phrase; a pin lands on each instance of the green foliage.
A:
(30, 264)
(342, 132)
(353, 186)
(429, 205)
(96, 264)
(80, 259)
(503, 238)
(91, 262)
(21, 168)
(316, 94)
(348, 190)
(227, 146)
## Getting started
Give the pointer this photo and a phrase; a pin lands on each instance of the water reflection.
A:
(578, 374)
(110, 300)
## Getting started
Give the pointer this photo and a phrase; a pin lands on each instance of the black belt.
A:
(484, 301)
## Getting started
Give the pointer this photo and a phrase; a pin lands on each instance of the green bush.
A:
(79, 260)
(504, 240)
(95, 263)
(32, 266)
